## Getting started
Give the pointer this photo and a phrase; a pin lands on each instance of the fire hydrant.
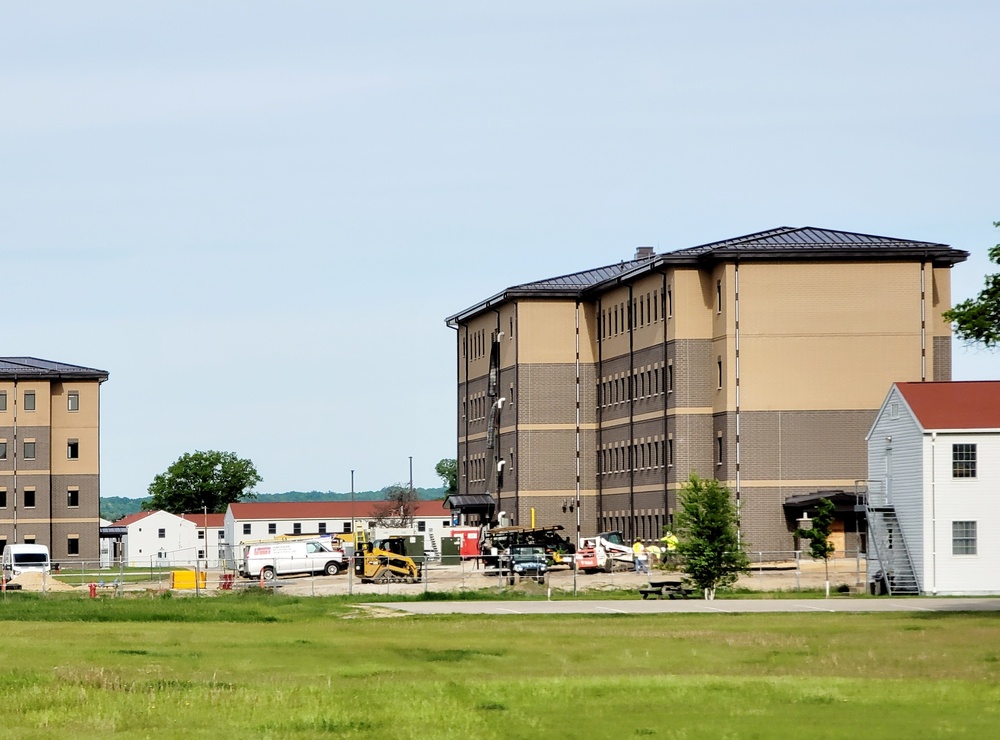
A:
(93, 590)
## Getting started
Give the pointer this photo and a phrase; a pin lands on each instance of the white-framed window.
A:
(72, 449)
(3, 400)
(963, 538)
(29, 499)
(29, 400)
(246, 528)
(73, 544)
(29, 449)
(73, 498)
(73, 401)
(963, 461)
(161, 533)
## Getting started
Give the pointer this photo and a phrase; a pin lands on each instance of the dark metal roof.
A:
(808, 500)
(32, 367)
(783, 243)
(463, 501)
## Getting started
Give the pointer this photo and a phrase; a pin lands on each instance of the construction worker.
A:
(639, 556)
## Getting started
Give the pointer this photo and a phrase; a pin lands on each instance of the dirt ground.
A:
(772, 577)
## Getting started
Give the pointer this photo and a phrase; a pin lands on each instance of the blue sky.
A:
(256, 215)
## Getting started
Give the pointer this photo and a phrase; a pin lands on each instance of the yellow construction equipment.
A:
(385, 561)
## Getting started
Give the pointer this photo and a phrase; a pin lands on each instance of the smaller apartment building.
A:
(934, 471)
(159, 538)
(50, 456)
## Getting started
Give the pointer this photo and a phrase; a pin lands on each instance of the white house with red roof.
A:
(255, 521)
(934, 489)
(159, 538)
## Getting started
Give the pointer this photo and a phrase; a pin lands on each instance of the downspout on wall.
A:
(600, 416)
(631, 416)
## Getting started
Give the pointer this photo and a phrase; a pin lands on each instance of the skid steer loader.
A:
(385, 561)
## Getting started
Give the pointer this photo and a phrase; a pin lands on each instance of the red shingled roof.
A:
(132, 518)
(326, 509)
(971, 404)
(212, 520)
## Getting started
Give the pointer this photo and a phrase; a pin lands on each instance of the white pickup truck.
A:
(269, 560)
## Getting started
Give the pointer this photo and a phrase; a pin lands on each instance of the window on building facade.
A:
(73, 498)
(3, 544)
(963, 538)
(718, 296)
(272, 528)
(718, 364)
(29, 450)
(670, 378)
(670, 302)
(73, 449)
(201, 534)
(720, 447)
(3, 400)
(347, 527)
(222, 534)
(29, 400)
(322, 528)
(963, 461)
(246, 529)
(3, 498)
(73, 401)
(421, 526)
(297, 528)
(29, 498)
(73, 544)
(161, 533)
(3, 450)
(670, 453)
(29, 539)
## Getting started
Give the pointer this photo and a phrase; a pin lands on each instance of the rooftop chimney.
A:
(644, 253)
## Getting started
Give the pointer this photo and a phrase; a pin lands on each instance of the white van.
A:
(287, 557)
(18, 559)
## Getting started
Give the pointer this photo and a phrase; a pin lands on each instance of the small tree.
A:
(207, 479)
(447, 470)
(709, 545)
(820, 546)
(398, 507)
(977, 320)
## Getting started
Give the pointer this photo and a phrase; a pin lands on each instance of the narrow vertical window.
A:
(670, 378)
(718, 296)
(718, 364)
(719, 447)
(670, 302)
(3, 400)
(29, 400)
(670, 453)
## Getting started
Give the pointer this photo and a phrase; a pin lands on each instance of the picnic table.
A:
(670, 586)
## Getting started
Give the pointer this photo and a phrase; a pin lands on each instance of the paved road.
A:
(698, 606)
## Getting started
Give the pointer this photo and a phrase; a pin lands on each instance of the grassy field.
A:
(260, 666)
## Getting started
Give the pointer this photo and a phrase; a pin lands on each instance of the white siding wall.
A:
(905, 490)
(963, 499)
(179, 543)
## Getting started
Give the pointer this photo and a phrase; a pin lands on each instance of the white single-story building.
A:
(255, 521)
(934, 487)
(159, 538)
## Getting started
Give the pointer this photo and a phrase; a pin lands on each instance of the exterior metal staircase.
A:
(433, 553)
(889, 564)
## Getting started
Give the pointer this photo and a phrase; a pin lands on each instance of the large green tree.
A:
(977, 320)
(820, 547)
(708, 530)
(202, 479)
(447, 470)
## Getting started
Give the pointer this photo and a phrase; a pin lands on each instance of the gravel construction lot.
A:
(773, 577)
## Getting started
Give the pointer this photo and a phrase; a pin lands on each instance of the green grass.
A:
(262, 665)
